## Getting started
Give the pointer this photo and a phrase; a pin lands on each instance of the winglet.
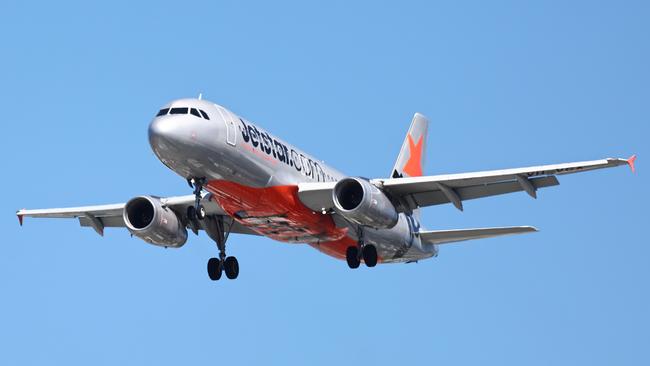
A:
(20, 218)
(630, 162)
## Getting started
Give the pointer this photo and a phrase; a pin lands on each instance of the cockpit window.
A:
(194, 112)
(162, 112)
(205, 115)
(179, 110)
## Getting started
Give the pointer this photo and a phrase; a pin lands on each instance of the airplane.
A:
(247, 181)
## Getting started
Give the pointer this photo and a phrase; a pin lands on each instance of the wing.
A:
(413, 192)
(101, 216)
(452, 236)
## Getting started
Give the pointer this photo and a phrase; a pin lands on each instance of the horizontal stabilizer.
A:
(451, 236)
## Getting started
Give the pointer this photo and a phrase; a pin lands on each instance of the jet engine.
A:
(149, 220)
(361, 202)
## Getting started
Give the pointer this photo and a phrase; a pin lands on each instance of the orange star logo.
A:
(413, 166)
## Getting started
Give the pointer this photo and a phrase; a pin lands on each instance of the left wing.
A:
(413, 192)
(101, 216)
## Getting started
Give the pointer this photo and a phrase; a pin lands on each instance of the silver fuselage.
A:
(239, 156)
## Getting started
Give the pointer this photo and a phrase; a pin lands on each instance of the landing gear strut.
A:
(197, 211)
(215, 227)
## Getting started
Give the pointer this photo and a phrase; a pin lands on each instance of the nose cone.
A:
(169, 137)
(162, 134)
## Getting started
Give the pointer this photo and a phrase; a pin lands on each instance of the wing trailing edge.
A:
(452, 236)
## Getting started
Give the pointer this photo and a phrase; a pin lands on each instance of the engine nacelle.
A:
(361, 202)
(146, 218)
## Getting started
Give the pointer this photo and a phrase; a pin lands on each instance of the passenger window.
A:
(205, 115)
(162, 112)
(179, 110)
(194, 112)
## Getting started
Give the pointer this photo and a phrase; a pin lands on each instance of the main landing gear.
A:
(217, 229)
(368, 252)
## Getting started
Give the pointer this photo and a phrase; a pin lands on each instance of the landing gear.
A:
(231, 267)
(215, 268)
(368, 252)
(214, 226)
(352, 257)
(197, 211)
(200, 213)
(217, 230)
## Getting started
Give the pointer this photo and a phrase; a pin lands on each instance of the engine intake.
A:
(146, 218)
(361, 202)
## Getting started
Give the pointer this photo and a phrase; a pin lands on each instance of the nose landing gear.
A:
(197, 211)
(217, 229)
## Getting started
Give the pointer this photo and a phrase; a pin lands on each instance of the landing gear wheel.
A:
(191, 213)
(201, 213)
(215, 268)
(231, 266)
(352, 257)
(369, 255)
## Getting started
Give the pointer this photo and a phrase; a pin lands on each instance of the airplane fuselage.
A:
(254, 176)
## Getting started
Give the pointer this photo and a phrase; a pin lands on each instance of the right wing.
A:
(452, 236)
(101, 216)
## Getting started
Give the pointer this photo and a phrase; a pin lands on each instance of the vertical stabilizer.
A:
(410, 161)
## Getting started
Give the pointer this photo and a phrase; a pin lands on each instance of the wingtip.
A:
(630, 161)
(20, 218)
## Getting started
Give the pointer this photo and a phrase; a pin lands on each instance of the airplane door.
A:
(231, 129)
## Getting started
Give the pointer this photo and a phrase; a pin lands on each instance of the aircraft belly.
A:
(275, 212)
(278, 213)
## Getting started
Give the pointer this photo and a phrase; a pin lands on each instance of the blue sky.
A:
(505, 84)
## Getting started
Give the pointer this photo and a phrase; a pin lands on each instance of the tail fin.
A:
(410, 160)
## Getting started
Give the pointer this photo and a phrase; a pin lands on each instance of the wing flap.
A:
(453, 236)
(117, 221)
(437, 197)
(106, 221)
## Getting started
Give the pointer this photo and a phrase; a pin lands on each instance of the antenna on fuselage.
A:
(200, 96)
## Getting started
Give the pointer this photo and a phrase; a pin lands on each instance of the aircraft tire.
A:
(231, 266)
(352, 257)
(191, 213)
(215, 268)
(370, 255)
(201, 213)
